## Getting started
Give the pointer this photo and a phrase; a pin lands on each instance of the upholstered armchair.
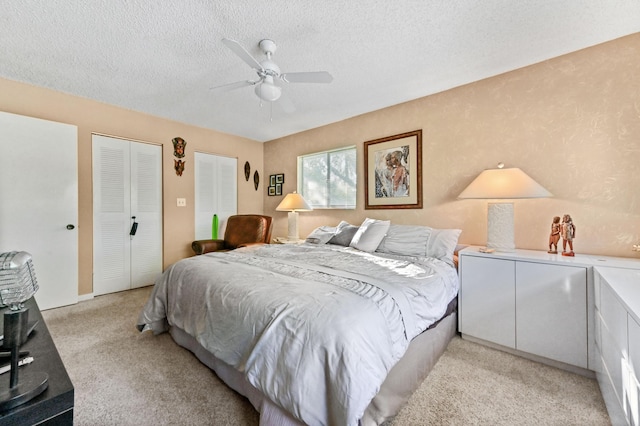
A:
(242, 230)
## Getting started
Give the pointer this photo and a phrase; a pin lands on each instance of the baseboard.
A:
(85, 297)
(553, 363)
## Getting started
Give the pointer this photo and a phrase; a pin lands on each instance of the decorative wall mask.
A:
(179, 146)
(256, 179)
(247, 171)
(179, 166)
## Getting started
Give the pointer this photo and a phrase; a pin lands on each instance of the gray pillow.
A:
(406, 240)
(321, 234)
(344, 234)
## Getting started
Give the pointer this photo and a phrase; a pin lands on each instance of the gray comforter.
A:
(315, 328)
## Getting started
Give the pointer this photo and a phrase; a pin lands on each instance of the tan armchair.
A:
(242, 230)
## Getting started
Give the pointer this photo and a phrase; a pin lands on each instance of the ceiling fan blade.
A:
(232, 86)
(242, 53)
(307, 77)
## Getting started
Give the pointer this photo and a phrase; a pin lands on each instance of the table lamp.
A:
(293, 203)
(17, 285)
(498, 184)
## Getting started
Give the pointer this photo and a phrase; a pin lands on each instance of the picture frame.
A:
(393, 172)
(275, 184)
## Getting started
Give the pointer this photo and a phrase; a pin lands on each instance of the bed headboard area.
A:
(384, 237)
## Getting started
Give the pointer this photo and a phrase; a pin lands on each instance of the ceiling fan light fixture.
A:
(267, 91)
(268, 73)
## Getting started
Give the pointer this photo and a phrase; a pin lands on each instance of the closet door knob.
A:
(70, 227)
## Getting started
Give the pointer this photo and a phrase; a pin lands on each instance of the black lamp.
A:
(17, 285)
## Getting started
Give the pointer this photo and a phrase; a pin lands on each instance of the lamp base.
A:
(30, 385)
(293, 226)
(500, 224)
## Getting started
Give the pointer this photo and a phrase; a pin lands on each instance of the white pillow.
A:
(442, 244)
(406, 240)
(370, 234)
(321, 235)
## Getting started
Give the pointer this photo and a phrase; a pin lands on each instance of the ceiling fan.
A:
(267, 86)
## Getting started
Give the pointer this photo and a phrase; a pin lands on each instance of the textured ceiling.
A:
(161, 57)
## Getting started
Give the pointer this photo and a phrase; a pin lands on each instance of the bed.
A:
(339, 330)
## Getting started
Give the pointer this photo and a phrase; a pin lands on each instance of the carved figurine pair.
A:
(565, 229)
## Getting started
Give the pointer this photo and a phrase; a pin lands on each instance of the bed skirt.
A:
(403, 379)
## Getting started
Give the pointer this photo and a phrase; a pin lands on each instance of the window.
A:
(327, 180)
(216, 192)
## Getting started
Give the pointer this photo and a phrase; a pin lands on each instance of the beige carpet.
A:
(123, 377)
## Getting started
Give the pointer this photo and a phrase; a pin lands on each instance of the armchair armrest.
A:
(206, 246)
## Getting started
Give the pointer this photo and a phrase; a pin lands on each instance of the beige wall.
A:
(93, 117)
(571, 123)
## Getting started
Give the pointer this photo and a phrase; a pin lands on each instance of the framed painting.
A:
(393, 172)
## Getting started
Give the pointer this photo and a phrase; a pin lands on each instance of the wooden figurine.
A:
(555, 235)
(568, 232)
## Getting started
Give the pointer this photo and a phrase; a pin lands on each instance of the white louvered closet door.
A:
(146, 206)
(127, 182)
(216, 190)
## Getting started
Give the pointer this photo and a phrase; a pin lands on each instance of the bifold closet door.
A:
(127, 190)
(216, 191)
(146, 205)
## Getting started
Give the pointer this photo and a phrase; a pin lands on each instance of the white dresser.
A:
(579, 313)
(617, 341)
(527, 301)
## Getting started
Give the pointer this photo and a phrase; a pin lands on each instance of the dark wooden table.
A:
(54, 406)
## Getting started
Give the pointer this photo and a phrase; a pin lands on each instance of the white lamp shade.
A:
(504, 184)
(294, 202)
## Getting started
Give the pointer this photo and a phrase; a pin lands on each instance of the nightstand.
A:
(286, 240)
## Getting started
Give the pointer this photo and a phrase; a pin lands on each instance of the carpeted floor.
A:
(123, 377)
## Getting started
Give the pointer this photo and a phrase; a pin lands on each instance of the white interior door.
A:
(127, 183)
(39, 202)
(216, 191)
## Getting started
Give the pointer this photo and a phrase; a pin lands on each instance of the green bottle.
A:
(214, 227)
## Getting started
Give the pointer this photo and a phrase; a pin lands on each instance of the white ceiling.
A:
(161, 57)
